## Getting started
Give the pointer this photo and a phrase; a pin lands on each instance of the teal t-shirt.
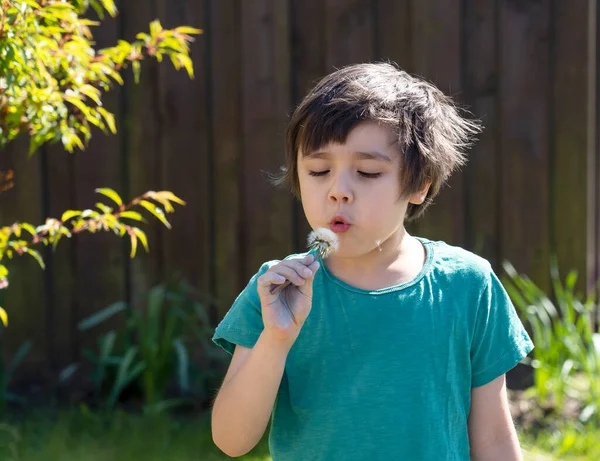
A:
(387, 374)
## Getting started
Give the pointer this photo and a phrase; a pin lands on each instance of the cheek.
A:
(311, 201)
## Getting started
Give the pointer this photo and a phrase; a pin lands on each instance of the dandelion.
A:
(321, 243)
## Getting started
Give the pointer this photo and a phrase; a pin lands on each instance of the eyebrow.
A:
(360, 155)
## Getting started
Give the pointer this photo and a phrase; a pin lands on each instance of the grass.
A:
(78, 436)
(567, 443)
(82, 436)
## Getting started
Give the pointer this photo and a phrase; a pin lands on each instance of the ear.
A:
(418, 197)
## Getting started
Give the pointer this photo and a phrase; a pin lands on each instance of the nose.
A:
(341, 190)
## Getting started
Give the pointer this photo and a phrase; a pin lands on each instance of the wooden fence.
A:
(527, 68)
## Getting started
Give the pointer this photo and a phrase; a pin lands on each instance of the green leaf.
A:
(159, 407)
(89, 213)
(78, 103)
(103, 208)
(69, 214)
(186, 62)
(110, 119)
(109, 5)
(167, 195)
(156, 211)
(91, 92)
(125, 374)
(29, 228)
(182, 364)
(3, 317)
(111, 194)
(155, 28)
(18, 358)
(142, 236)
(188, 30)
(31, 3)
(135, 65)
(67, 372)
(133, 244)
(132, 215)
(37, 256)
(101, 316)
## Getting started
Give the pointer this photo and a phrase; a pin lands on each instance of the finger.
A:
(314, 267)
(270, 278)
(301, 269)
(290, 273)
(306, 259)
(307, 288)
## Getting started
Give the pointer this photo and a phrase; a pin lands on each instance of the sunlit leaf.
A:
(3, 317)
(188, 30)
(102, 207)
(69, 214)
(133, 245)
(37, 257)
(142, 236)
(132, 215)
(89, 213)
(155, 28)
(135, 65)
(156, 211)
(110, 194)
(110, 119)
(31, 3)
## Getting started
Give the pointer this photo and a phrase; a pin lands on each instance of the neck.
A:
(388, 255)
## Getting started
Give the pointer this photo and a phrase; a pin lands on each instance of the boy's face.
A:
(354, 189)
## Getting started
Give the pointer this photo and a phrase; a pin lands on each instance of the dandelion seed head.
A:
(323, 241)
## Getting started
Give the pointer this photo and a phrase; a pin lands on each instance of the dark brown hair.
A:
(431, 134)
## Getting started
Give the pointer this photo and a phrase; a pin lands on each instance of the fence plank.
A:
(437, 58)
(184, 152)
(481, 214)
(225, 58)
(61, 263)
(100, 279)
(524, 134)
(23, 300)
(393, 32)
(570, 131)
(349, 32)
(145, 131)
(266, 226)
(308, 66)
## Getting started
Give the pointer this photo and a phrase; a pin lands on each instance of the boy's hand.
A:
(296, 298)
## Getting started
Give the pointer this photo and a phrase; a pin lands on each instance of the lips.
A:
(339, 224)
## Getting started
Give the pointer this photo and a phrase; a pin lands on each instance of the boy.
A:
(400, 344)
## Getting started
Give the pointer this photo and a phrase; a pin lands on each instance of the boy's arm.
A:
(244, 404)
(492, 434)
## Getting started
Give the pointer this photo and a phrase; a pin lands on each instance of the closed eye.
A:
(362, 173)
(369, 175)
(318, 173)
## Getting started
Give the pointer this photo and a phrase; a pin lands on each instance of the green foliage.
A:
(566, 358)
(7, 373)
(564, 442)
(51, 78)
(19, 238)
(171, 321)
(117, 436)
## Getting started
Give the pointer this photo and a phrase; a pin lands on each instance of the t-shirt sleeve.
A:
(500, 340)
(242, 325)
